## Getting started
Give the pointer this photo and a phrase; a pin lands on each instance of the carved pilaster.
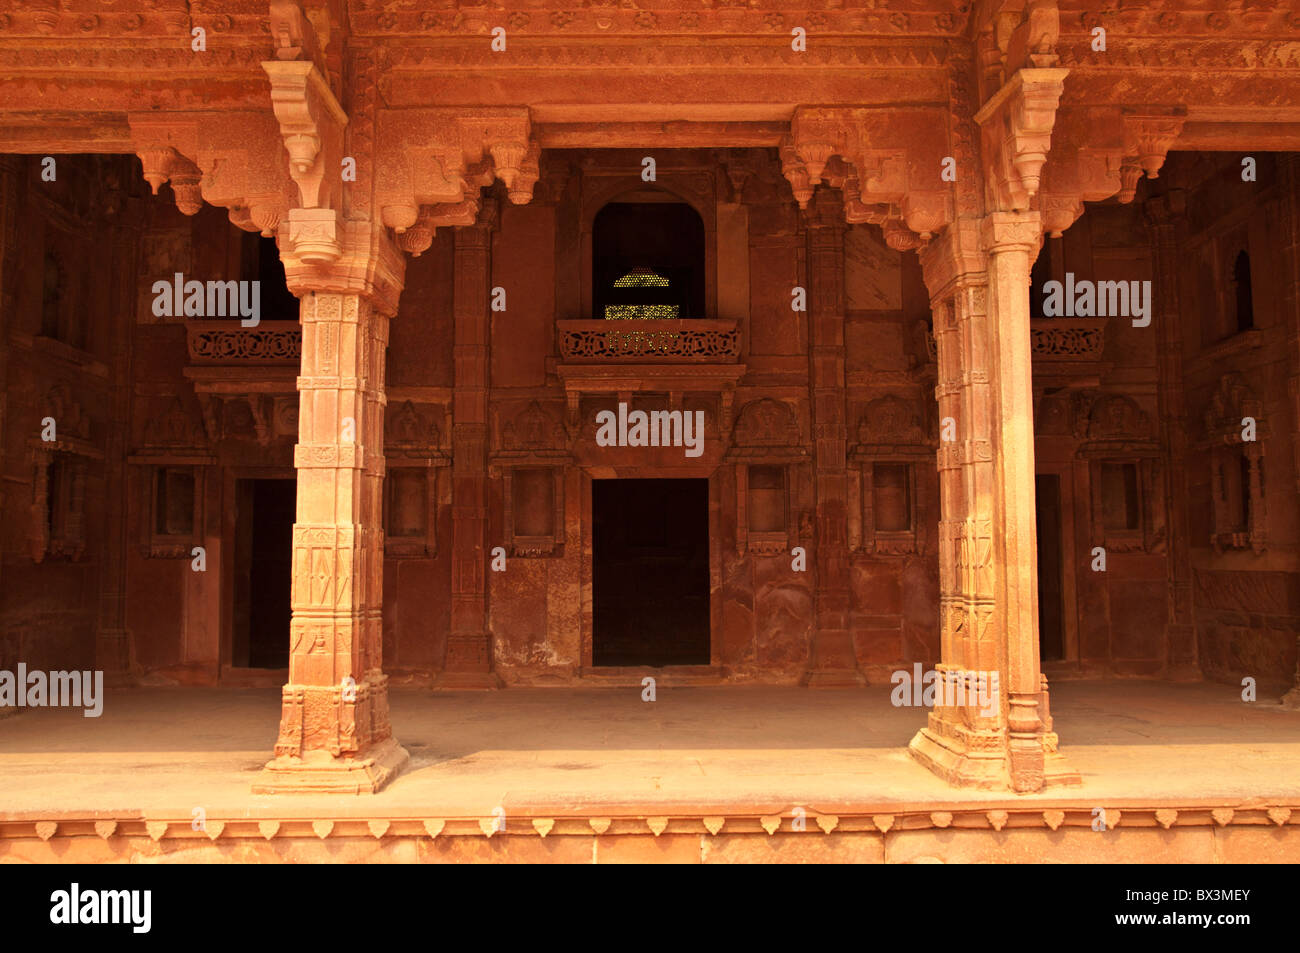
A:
(833, 661)
(1289, 168)
(469, 662)
(1165, 216)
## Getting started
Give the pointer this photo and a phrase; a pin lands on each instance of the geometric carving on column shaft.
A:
(1016, 125)
(335, 733)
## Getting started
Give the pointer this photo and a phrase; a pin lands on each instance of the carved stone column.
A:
(469, 645)
(832, 661)
(334, 727)
(978, 276)
(1165, 215)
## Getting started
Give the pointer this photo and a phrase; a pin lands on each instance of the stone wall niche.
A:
(531, 452)
(534, 510)
(767, 449)
(884, 463)
(1235, 432)
(415, 458)
(1125, 472)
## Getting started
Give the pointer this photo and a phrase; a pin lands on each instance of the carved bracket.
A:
(233, 160)
(311, 124)
(440, 159)
(1147, 140)
(1016, 123)
(886, 163)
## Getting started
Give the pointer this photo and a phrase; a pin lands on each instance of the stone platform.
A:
(1185, 773)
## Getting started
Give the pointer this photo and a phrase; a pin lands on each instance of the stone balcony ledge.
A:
(650, 341)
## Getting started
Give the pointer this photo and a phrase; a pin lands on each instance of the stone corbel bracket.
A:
(1148, 136)
(1084, 166)
(888, 166)
(232, 160)
(1016, 125)
(442, 157)
(311, 124)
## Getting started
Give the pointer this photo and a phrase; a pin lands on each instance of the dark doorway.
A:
(263, 572)
(650, 572)
(1051, 602)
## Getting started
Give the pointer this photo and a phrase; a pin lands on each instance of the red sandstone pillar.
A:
(334, 728)
(978, 275)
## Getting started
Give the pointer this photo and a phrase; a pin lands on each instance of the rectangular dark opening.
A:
(1051, 601)
(264, 517)
(650, 572)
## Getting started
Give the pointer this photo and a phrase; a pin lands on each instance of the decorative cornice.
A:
(881, 820)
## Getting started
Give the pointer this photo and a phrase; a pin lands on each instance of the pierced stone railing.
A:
(599, 342)
(1067, 339)
(226, 342)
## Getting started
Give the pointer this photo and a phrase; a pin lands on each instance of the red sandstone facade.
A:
(918, 176)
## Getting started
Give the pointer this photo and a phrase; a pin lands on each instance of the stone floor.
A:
(162, 752)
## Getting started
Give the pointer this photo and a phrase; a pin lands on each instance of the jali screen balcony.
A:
(214, 343)
(652, 341)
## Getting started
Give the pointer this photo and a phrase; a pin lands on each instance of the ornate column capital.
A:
(1011, 231)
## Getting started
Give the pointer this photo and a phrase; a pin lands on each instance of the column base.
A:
(834, 678)
(322, 773)
(1291, 700)
(1184, 672)
(962, 766)
(469, 681)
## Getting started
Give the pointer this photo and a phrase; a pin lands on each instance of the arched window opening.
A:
(1241, 284)
(647, 261)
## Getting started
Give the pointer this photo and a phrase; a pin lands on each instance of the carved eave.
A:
(1016, 124)
(442, 157)
(233, 160)
(887, 163)
(311, 123)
